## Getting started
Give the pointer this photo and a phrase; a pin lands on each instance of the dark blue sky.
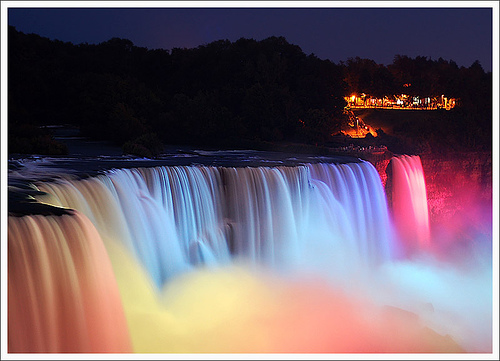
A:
(459, 34)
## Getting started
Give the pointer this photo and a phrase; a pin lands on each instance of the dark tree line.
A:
(225, 94)
(220, 94)
(422, 77)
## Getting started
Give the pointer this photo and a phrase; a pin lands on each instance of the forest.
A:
(224, 94)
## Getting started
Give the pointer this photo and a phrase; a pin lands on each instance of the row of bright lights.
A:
(400, 100)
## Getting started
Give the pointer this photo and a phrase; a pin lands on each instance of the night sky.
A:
(459, 34)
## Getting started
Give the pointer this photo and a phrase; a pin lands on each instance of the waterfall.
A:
(102, 274)
(173, 218)
(358, 189)
(409, 202)
(62, 292)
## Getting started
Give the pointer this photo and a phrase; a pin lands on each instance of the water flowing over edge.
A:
(323, 218)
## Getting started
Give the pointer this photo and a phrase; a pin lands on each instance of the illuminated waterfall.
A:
(124, 270)
(173, 218)
(409, 202)
(358, 190)
(62, 292)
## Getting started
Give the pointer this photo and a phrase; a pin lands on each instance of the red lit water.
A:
(409, 202)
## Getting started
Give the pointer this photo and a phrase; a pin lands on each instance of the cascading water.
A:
(156, 228)
(358, 189)
(63, 295)
(175, 217)
(409, 202)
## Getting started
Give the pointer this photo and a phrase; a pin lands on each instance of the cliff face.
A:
(457, 184)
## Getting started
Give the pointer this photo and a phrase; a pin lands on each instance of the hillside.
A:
(247, 93)
(433, 131)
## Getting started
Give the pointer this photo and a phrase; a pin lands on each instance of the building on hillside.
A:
(400, 101)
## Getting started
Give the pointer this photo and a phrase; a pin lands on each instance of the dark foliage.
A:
(220, 94)
(28, 139)
(216, 94)
(147, 145)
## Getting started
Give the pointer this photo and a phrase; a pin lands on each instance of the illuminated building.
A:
(400, 101)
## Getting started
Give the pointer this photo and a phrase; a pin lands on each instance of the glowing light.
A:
(416, 103)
